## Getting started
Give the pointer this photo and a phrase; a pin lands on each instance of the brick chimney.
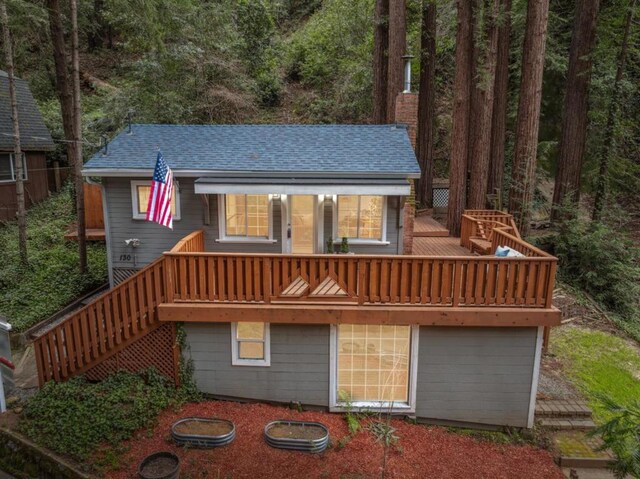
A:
(407, 114)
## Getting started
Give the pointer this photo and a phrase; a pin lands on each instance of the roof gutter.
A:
(148, 172)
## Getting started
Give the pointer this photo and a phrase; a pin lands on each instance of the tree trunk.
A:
(528, 121)
(62, 75)
(576, 106)
(461, 116)
(397, 48)
(483, 84)
(500, 100)
(380, 61)
(602, 186)
(15, 121)
(77, 138)
(426, 103)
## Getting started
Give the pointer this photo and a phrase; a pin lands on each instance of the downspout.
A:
(107, 229)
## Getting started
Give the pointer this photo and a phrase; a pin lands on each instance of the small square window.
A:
(250, 344)
(8, 167)
(140, 191)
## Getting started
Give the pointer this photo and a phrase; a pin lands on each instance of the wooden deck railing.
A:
(192, 243)
(102, 328)
(371, 280)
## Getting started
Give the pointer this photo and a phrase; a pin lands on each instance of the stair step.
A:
(585, 462)
(581, 424)
(565, 409)
(431, 234)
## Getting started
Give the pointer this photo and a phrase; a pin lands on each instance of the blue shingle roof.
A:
(327, 149)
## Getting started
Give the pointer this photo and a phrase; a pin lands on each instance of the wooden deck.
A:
(438, 246)
(442, 283)
(427, 226)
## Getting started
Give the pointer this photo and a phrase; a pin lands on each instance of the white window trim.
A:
(237, 361)
(361, 241)
(222, 225)
(25, 170)
(338, 406)
(135, 207)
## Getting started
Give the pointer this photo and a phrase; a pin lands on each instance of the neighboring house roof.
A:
(34, 135)
(306, 150)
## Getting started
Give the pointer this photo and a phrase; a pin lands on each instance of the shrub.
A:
(52, 279)
(75, 417)
(604, 264)
(621, 434)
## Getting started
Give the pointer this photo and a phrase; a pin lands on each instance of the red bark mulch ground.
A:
(421, 452)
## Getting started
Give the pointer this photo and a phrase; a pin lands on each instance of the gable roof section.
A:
(34, 135)
(306, 150)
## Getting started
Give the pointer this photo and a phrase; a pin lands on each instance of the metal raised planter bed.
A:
(311, 444)
(202, 440)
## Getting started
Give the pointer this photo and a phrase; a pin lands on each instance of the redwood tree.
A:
(15, 121)
(500, 99)
(461, 116)
(397, 48)
(483, 84)
(576, 106)
(528, 121)
(63, 89)
(602, 185)
(380, 61)
(426, 103)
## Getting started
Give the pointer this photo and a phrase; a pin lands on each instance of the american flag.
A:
(159, 206)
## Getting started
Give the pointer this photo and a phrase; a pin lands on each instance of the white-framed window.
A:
(245, 218)
(360, 218)
(8, 167)
(250, 344)
(373, 366)
(140, 191)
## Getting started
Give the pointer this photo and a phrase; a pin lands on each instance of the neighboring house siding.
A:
(299, 368)
(36, 187)
(476, 375)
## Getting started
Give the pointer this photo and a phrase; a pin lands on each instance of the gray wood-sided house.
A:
(270, 315)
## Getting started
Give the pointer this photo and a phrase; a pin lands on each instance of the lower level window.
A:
(373, 365)
(250, 344)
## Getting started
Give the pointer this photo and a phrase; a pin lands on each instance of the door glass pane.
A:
(5, 168)
(302, 224)
(347, 216)
(373, 363)
(258, 215)
(236, 215)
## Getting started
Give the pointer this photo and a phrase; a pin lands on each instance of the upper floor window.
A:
(247, 216)
(8, 167)
(140, 191)
(360, 217)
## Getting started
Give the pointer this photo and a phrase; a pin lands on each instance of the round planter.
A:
(199, 437)
(304, 436)
(160, 465)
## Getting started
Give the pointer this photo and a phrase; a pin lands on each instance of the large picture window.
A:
(247, 216)
(250, 344)
(8, 167)
(373, 365)
(360, 217)
(140, 191)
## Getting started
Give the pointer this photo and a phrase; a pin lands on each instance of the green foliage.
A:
(330, 249)
(621, 434)
(51, 280)
(383, 432)
(188, 391)
(603, 264)
(344, 245)
(76, 417)
(599, 364)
